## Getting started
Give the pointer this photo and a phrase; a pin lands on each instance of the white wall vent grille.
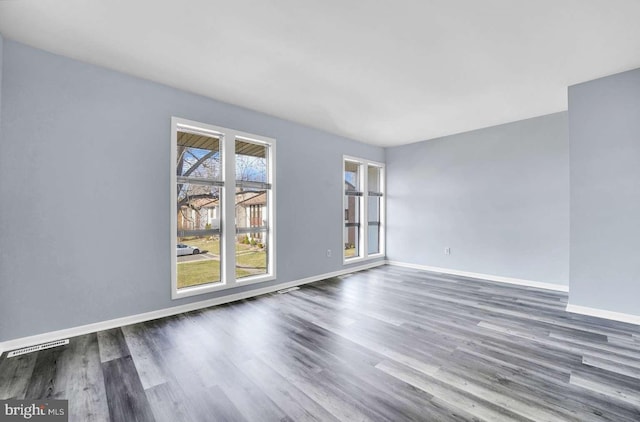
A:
(290, 289)
(37, 348)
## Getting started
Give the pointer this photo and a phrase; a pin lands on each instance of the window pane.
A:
(198, 224)
(351, 176)
(373, 174)
(251, 255)
(198, 260)
(198, 156)
(352, 242)
(352, 212)
(374, 209)
(352, 209)
(252, 232)
(352, 226)
(373, 230)
(252, 214)
(251, 161)
(198, 207)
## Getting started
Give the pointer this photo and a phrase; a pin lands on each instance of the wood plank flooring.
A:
(387, 344)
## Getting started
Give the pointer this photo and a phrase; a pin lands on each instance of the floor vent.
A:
(37, 348)
(290, 289)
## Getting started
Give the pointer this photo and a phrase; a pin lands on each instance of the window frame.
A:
(363, 230)
(227, 208)
(270, 214)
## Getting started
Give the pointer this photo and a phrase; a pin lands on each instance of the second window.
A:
(363, 203)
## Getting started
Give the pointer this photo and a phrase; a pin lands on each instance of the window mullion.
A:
(364, 216)
(228, 200)
(383, 210)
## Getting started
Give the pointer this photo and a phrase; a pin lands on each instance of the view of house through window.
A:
(363, 208)
(252, 204)
(199, 178)
(353, 206)
(220, 243)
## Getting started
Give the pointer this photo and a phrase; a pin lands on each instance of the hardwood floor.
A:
(388, 344)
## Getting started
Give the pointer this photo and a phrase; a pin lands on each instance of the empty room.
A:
(319, 211)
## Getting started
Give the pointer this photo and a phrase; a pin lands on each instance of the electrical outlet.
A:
(447, 251)
(328, 253)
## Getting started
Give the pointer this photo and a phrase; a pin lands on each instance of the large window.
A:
(222, 208)
(253, 200)
(363, 232)
(199, 180)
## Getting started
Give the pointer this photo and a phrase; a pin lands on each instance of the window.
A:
(222, 213)
(253, 199)
(374, 208)
(363, 232)
(198, 194)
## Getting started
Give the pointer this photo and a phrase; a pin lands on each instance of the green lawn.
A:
(249, 259)
(202, 272)
(198, 272)
(252, 258)
(246, 255)
(349, 252)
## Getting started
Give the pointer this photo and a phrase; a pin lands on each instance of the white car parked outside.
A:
(183, 249)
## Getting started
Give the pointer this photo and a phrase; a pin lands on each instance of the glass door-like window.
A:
(353, 198)
(222, 208)
(374, 209)
(363, 231)
(198, 194)
(253, 200)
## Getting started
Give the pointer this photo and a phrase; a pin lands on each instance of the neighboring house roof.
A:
(242, 198)
(199, 203)
(258, 198)
(197, 196)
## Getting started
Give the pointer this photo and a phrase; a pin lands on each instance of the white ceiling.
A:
(383, 72)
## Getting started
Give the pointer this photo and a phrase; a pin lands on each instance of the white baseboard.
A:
(601, 313)
(517, 281)
(161, 313)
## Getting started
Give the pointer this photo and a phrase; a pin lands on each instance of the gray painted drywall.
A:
(1, 50)
(498, 197)
(84, 182)
(604, 121)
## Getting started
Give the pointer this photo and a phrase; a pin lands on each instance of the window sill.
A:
(198, 290)
(254, 279)
(209, 288)
(355, 260)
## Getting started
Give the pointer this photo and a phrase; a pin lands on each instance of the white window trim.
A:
(227, 208)
(364, 211)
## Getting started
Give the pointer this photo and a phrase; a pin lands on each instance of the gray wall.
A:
(1, 56)
(84, 182)
(498, 197)
(604, 117)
